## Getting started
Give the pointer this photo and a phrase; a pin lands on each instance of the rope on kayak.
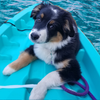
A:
(80, 94)
(62, 86)
(24, 86)
(17, 28)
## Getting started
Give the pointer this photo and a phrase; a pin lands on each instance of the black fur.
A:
(30, 50)
(68, 51)
(71, 72)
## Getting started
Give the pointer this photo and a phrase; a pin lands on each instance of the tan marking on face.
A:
(23, 60)
(42, 15)
(52, 21)
(67, 25)
(57, 38)
(66, 63)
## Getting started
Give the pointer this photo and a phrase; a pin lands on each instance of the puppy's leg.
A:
(24, 59)
(39, 91)
(56, 78)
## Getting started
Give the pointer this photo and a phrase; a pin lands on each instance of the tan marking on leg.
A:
(66, 63)
(60, 69)
(52, 21)
(42, 15)
(23, 60)
(57, 38)
(62, 80)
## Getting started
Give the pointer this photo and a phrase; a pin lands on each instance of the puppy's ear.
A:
(36, 10)
(70, 26)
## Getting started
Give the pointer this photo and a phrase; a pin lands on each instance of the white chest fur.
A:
(44, 54)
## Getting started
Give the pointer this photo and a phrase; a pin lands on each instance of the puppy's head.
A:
(52, 24)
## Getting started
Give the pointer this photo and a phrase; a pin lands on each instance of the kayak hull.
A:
(13, 42)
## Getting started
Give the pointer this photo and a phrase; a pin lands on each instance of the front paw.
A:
(38, 92)
(8, 70)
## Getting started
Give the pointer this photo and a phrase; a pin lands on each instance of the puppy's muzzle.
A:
(34, 36)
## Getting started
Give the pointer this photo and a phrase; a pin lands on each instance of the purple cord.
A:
(75, 93)
(80, 94)
(90, 94)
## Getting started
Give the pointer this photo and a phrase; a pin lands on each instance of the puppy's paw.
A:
(38, 92)
(8, 70)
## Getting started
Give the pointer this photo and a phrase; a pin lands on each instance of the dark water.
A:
(85, 12)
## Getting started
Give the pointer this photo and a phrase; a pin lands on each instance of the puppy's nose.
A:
(34, 36)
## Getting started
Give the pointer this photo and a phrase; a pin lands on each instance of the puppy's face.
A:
(52, 24)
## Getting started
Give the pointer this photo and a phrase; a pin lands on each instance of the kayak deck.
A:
(13, 42)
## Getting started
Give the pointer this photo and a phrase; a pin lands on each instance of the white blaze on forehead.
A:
(55, 13)
(54, 10)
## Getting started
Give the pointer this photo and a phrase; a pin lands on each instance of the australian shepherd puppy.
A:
(57, 42)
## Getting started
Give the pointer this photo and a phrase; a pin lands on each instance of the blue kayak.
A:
(14, 39)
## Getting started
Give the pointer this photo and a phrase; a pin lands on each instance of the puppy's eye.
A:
(51, 26)
(38, 20)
